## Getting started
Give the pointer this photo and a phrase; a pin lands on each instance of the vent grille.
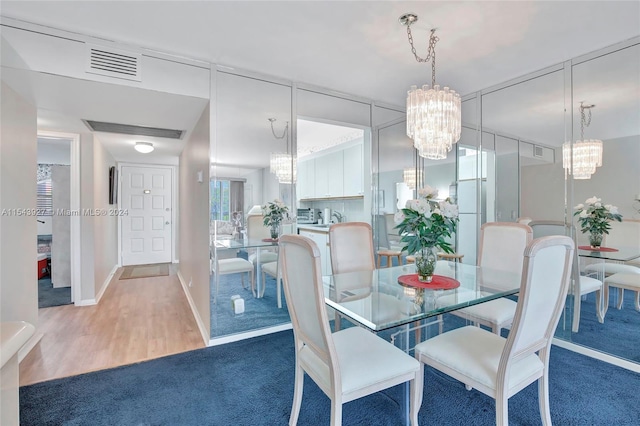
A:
(127, 129)
(538, 151)
(113, 63)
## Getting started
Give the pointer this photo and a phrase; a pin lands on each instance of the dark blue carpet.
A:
(251, 383)
(619, 335)
(259, 313)
(49, 296)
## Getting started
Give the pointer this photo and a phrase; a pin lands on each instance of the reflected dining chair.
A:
(272, 269)
(580, 285)
(501, 248)
(348, 364)
(351, 249)
(621, 234)
(500, 367)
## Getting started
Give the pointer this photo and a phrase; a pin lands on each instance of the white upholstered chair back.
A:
(502, 245)
(351, 247)
(543, 290)
(301, 273)
(546, 228)
(256, 228)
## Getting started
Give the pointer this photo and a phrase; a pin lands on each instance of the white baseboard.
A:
(601, 356)
(249, 334)
(201, 326)
(87, 302)
(31, 343)
(106, 283)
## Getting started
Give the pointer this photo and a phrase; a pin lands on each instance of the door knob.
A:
(166, 223)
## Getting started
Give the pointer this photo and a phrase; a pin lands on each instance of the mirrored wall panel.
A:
(251, 202)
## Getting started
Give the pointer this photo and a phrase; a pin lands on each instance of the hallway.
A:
(136, 320)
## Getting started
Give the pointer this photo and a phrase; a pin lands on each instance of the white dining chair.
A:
(348, 364)
(351, 249)
(501, 248)
(273, 270)
(581, 285)
(500, 367)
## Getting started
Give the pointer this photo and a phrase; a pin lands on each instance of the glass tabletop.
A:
(623, 253)
(376, 300)
(244, 243)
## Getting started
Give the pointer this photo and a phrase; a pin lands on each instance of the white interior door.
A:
(146, 229)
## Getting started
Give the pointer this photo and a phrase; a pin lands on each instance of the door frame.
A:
(74, 206)
(174, 205)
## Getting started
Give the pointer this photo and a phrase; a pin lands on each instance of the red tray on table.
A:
(439, 282)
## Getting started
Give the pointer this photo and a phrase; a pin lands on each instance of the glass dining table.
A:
(376, 300)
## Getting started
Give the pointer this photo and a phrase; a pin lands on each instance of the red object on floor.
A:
(42, 268)
(438, 282)
(597, 249)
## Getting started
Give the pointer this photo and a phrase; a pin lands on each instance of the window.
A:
(220, 199)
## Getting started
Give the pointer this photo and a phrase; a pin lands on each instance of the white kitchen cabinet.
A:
(322, 241)
(353, 171)
(329, 175)
(306, 179)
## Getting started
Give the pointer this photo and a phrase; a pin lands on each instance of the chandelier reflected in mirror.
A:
(283, 164)
(587, 153)
(434, 115)
(412, 177)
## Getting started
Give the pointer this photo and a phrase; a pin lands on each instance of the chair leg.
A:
(279, 291)
(417, 388)
(620, 297)
(440, 324)
(253, 281)
(242, 279)
(605, 304)
(336, 412)
(495, 329)
(297, 395)
(638, 300)
(577, 301)
(502, 409)
(336, 322)
(599, 306)
(543, 398)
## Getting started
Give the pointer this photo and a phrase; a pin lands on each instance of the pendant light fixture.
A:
(412, 177)
(283, 164)
(434, 115)
(587, 153)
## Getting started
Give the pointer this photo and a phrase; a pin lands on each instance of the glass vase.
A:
(275, 231)
(426, 264)
(595, 239)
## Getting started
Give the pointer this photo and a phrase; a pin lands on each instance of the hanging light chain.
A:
(284, 133)
(431, 51)
(584, 122)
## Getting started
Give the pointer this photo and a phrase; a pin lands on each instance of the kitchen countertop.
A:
(314, 227)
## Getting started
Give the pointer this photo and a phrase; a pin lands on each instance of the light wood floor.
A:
(136, 320)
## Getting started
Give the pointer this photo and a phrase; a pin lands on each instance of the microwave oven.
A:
(308, 216)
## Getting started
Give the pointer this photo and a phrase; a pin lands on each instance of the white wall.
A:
(194, 218)
(18, 252)
(105, 228)
(87, 260)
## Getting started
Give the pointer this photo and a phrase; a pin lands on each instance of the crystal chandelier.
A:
(587, 153)
(283, 164)
(433, 114)
(412, 177)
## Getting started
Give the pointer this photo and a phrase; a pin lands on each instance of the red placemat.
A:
(597, 249)
(270, 240)
(438, 282)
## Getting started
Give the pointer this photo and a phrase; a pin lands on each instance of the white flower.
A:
(613, 210)
(398, 217)
(579, 207)
(598, 205)
(427, 192)
(448, 209)
(584, 214)
(592, 200)
(436, 211)
(422, 206)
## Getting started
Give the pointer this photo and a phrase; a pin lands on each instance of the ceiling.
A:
(353, 47)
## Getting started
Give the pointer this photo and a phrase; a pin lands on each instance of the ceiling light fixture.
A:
(587, 154)
(412, 177)
(283, 164)
(144, 147)
(433, 115)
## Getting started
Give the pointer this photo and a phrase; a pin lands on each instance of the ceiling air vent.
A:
(538, 151)
(113, 63)
(127, 129)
